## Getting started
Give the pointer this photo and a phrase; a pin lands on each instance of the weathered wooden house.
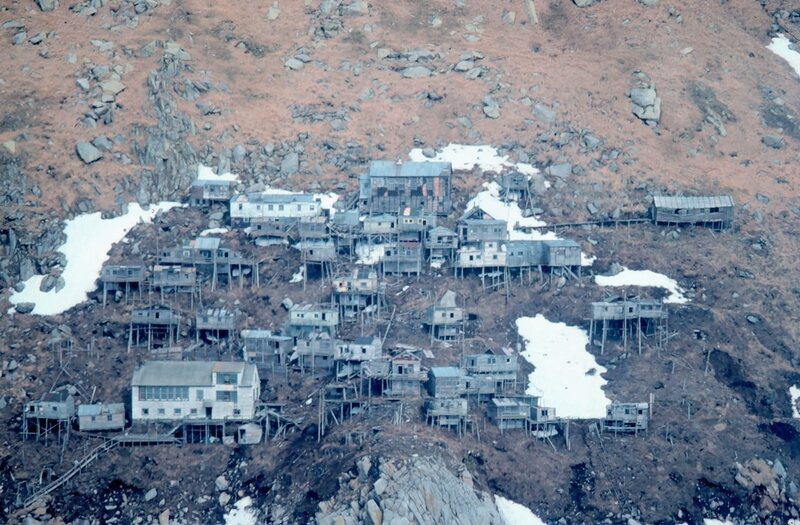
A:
(346, 228)
(562, 253)
(714, 211)
(482, 230)
(313, 228)
(315, 352)
(626, 417)
(268, 231)
(403, 258)
(442, 244)
(349, 355)
(497, 365)
(204, 193)
(480, 386)
(445, 319)
(101, 416)
(447, 413)
(380, 225)
(179, 390)
(630, 318)
(174, 279)
(413, 224)
(446, 381)
(309, 318)
(357, 292)
(157, 325)
(208, 256)
(215, 325)
(50, 415)
(389, 186)
(269, 351)
(509, 413)
(516, 186)
(246, 207)
(405, 376)
(122, 278)
(485, 255)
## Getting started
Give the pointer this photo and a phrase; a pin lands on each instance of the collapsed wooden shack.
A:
(49, 416)
(388, 186)
(627, 417)
(157, 325)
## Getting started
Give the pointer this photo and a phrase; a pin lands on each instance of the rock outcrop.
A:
(419, 490)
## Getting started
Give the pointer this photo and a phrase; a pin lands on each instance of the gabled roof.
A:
(188, 373)
(273, 198)
(678, 202)
(101, 408)
(448, 300)
(206, 243)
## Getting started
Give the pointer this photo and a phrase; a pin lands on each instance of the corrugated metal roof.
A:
(100, 408)
(445, 371)
(206, 243)
(390, 168)
(183, 373)
(679, 202)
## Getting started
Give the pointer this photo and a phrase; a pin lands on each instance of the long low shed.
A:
(715, 210)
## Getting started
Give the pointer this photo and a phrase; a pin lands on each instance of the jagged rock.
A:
(583, 3)
(290, 164)
(112, 87)
(224, 498)
(87, 152)
(47, 5)
(561, 170)
(25, 308)
(163, 518)
(364, 465)
(374, 513)
(294, 64)
(273, 12)
(649, 3)
(150, 494)
(646, 104)
(544, 113)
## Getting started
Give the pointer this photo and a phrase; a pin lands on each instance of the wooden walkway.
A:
(131, 440)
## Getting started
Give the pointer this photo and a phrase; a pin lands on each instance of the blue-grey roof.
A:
(211, 182)
(677, 202)
(206, 243)
(445, 371)
(100, 408)
(390, 168)
(189, 373)
(565, 243)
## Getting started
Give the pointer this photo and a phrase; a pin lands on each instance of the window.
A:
(237, 412)
(145, 411)
(193, 411)
(280, 207)
(452, 315)
(271, 207)
(177, 411)
(226, 378)
(714, 210)
(199, 394)
(94, 419)
(240, 206)
(109, 417)
(227, 397)
(161, 411)
(299, 207)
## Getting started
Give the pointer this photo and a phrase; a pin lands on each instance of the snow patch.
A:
(206, 173)
(89, 239)
(298, 276)
(515, 514)
(566, 375)
(370, 253)
(645, 278)
(784, 48)
(241, 513)
(794, 395)
(213, 231)
(464, 157)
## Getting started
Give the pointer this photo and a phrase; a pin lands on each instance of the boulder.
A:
(87, 152)
(374, 513)
(583, 3)
(416, 72)
(221, 483)
(150, 494)
(47, 5)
